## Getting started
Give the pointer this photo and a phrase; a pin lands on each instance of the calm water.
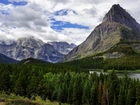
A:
(131, 75)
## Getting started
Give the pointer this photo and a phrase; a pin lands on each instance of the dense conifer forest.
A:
(68, 84)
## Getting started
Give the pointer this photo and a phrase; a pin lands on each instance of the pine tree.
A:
(18, 89)
(86, 93)
(115, 100)
(138, 94)
(4, 80)
(76, 92)
(121, 98)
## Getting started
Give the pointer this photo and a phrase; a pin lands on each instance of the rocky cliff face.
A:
(25, 48)
(120, 15)
(63, 47)
(117, 25)
(48, 53)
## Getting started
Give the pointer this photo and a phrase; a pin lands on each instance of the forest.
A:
(68, 84)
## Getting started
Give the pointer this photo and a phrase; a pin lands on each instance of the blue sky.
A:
(56, 25)
(60, 25)
(56, 20)
(6, 2)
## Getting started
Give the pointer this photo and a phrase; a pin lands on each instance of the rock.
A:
(31, 47)
(117, 25)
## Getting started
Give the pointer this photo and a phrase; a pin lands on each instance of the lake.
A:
(131, 75)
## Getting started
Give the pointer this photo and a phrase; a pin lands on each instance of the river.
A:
(131, 75)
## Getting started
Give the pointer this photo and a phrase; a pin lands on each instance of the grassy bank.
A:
(13, 99)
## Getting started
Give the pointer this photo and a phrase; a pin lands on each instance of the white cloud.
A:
(77, 35)
(34, 19)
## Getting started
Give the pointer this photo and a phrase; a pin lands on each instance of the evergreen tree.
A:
(138, 94)
(94, 95)
(115, 100)
(19, 88)
(4, 80)
(121, 98)
(113, 86)
(86, 93)
(32, 87)
(76, 92)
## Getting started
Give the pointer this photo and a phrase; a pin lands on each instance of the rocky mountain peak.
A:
(120, 15)
(30, 42)
(117, 25)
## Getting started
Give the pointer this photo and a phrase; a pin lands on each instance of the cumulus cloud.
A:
(37, 17)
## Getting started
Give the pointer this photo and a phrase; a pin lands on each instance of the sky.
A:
(57, 20)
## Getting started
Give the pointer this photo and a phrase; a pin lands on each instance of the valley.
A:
(37, 73)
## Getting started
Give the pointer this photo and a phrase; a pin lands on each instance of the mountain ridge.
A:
(108, 34)
(30, 47)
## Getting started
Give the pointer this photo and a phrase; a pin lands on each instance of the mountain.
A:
(26, 48)
(31, 47)
(5, 59)
(63, 47)
(48, 53)
(117, 27)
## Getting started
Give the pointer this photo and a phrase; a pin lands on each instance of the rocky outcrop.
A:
(113, 55)
(117, 25)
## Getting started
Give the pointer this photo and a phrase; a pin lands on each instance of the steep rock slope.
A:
(63, 47)
(117, 25)
(25, 48)
(48, 53)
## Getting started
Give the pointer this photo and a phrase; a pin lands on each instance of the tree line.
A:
(67, 84)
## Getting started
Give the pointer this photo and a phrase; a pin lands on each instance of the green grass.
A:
(13, 99)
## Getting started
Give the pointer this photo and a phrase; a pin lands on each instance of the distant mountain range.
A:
(25, 48)
(117, 33)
